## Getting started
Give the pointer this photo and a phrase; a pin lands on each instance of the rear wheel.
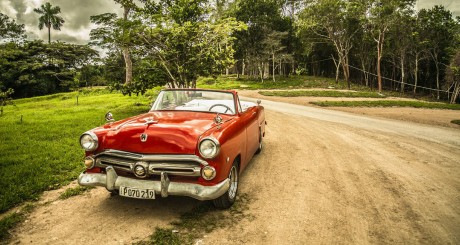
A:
(260, 141)
(228, 198)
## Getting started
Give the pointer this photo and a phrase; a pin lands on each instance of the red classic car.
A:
(191, 143)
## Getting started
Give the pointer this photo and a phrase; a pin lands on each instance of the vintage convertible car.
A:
(191, 143)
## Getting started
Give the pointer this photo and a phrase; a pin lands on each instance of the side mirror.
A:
(109, 117)
(258, 102)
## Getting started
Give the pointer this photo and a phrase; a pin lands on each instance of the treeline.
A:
(31, 67)
(378, 43)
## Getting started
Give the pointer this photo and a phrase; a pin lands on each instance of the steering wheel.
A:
(222, 105)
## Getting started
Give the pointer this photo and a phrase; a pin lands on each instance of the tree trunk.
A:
(242, 69)
(266, 67)
(126, 54)
(128, 66)
(337, 69)
(49, 35)
(366, 75)
(402, 73)
(273, 68)
(379, 57)
(261, 73)
(416, 73)
(455, 93)
(437, 76)
(346, 71)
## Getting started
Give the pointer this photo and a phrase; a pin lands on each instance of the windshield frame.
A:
(159, 100)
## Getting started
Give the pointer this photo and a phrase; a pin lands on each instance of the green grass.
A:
(200, 221)
(282, 82)
(9, 221)
(455, 122)
(322, 93)
(388, 103)
(41, 151)
(74, 191)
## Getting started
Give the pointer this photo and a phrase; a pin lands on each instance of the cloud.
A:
(452, 5)
(76, 15)
(20, 6)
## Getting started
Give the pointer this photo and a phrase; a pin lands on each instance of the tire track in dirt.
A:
(325, 182)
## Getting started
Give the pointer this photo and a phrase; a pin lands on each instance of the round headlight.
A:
(89, 141)
(209, 147)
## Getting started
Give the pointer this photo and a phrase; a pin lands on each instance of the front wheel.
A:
(228, 198)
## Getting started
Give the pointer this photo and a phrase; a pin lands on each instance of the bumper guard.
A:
(112, 181)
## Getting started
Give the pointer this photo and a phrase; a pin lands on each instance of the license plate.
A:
(137, 193)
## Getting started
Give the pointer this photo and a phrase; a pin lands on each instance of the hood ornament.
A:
(149, 121)
(144, 137)
(109, 117)
(218, 119)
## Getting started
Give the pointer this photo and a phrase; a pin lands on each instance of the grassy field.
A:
(388, 103)
(39, 147)
(322, 93)
(282, 82)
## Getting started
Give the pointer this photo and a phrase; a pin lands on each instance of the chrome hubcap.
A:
(233, 183)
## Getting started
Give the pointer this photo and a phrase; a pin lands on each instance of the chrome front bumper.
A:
(112, 181)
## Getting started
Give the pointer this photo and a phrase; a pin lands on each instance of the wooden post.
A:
(77, 99)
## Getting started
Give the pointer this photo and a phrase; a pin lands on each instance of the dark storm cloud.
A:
(20, 6)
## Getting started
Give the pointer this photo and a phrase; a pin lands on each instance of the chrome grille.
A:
(181, 165)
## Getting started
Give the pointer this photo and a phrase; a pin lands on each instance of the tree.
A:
(276, 49)
(183, 42)
(263, 18)
(336, 21)
(401, 40)
(33, 68)
(381, 15)
(420, 47)
(49, 18)
(9, 29)
(117, 33)
(453, 77)
(440, 32)
(128, 6)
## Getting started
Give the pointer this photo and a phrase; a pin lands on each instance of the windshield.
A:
(195, 100)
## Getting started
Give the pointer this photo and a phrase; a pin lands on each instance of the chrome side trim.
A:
(164, 187)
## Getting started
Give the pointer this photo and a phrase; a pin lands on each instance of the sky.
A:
(76, 14)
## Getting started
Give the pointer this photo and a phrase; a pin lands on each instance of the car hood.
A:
(168, 132)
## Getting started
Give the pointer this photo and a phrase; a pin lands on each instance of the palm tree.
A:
(49, 18)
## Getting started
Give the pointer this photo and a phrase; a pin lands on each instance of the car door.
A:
(248, 118)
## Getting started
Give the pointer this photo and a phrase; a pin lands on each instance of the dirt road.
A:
(323, 177)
